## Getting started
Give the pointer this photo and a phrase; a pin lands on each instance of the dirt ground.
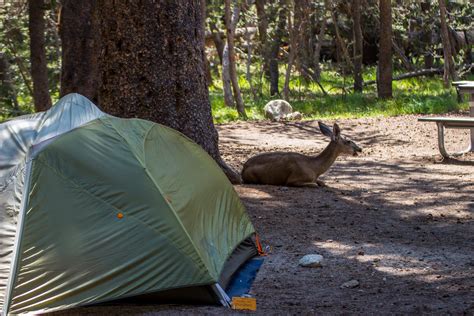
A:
(395, 219)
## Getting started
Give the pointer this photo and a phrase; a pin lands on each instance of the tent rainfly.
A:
(95, 208)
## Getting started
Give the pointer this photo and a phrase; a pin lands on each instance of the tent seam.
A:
(171, 206)
(143, 163)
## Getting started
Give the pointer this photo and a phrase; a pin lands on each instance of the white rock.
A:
(350, 284)
(312, 261)
(294, 116)
(277, 109)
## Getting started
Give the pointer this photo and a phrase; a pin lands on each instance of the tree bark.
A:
(262, 24)
(231, 21)
(275, 49)
(248, 73)
(151, 67)
(358, 46)
(425, 7)
(303, 14)
(293, 31)
(39, 65)
(79, 37)
(449, 70)
(217, 39)
(319, 44)
(384, 71)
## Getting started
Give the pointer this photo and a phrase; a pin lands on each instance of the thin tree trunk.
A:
(449, 70)
(339, 40)
(152, 67)
(262, 24)
(39, 65)
(248, 74)
(406, 63)
(275, 48)
(226, 82)
(217, 39)
(231, 23)
(358, 46)
(317, 49)
(384, 70)
(425, 7)
(303, 13)
(78, 31)
(292, 29)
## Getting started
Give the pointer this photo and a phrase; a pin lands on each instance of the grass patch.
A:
(424, 95)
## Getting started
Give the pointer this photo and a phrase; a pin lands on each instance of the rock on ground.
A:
(350, 284)
(312, 261)
(276, 110)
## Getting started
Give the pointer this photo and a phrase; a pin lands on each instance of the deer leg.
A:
(321, 183)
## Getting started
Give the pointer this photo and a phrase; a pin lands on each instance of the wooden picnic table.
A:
(463, 87)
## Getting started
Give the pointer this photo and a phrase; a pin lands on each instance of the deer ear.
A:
(336, 132)
(326, 130)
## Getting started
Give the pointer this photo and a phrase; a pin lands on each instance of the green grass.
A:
(410, 96)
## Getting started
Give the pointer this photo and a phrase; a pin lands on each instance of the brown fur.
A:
(294, 169)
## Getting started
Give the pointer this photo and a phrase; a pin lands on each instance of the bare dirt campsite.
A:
(395, 219)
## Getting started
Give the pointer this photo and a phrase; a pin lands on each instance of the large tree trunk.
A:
(79, 38)
(39, 65)
(449, 70)
(358, 46)
(275, 49)
(384, 72)
(231, 21)
(151, 67)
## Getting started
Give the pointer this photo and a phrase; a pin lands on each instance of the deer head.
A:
(344, 145)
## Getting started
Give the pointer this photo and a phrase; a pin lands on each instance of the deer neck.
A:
(322, 162)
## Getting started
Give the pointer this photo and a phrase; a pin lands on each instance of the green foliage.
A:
(14, 44)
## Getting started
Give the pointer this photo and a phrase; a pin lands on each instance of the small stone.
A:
(350, 284)
(311, 261)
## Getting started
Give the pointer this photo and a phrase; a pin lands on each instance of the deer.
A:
(295, 169)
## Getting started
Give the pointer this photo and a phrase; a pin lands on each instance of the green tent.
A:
(95, 208)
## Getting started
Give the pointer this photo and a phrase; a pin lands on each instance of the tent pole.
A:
(19, 232)
(224, 299)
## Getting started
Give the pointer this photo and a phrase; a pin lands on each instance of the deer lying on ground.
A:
(298, 170)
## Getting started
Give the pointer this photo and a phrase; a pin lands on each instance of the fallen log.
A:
(412, 74)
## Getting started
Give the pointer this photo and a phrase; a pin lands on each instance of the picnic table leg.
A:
(471, 113)
(442, 150)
